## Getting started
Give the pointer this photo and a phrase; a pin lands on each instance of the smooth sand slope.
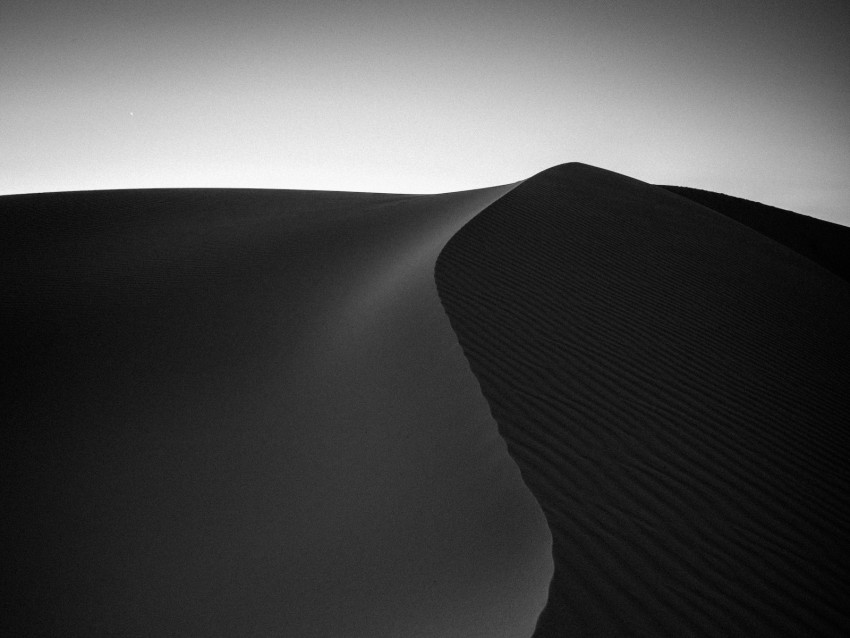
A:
(244, 413)
(674, 386)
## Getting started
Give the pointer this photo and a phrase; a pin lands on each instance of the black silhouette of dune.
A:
(244, 413)
(823, 242)
(674, 387)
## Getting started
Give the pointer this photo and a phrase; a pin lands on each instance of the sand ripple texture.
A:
(674, 387)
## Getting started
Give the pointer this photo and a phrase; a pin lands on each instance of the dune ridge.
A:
(673, 385)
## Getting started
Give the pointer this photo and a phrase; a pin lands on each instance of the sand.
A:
(244, 413)
(249, 413)
(822, 242)
(673, 385)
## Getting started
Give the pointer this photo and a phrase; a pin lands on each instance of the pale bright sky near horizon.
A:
(748, 98)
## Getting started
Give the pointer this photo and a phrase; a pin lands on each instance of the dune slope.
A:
(673, 386)
(823, 242)
(244, 413)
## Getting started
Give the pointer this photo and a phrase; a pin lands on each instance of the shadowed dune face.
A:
(245, 413)
(673, 386)
(823, 242)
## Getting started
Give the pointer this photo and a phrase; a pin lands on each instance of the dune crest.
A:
(673, 386)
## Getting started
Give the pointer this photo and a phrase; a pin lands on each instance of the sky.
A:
(746, 98)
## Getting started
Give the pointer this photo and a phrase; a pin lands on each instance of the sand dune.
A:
(244, 413)
(823, 242)
(673, 385)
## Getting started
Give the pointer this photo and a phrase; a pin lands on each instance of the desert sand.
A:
(579, 405)
(244, 413)
(673, 385)
(823, 242)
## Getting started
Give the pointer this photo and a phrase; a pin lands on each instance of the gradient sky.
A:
(746, 98)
